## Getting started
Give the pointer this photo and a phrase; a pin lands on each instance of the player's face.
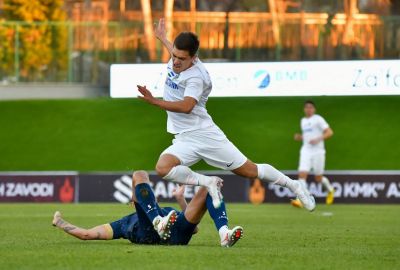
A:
(181, 60)
(309, 110)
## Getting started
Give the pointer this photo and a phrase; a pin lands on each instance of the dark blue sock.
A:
(147, 201)
(217, 214)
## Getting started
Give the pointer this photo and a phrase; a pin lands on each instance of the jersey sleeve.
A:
(194, 88)
(322, 123)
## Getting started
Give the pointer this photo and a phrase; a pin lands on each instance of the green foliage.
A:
(6, 50)
(41, 46)
(275, 237)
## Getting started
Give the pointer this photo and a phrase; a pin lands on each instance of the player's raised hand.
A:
(146, 94)
(161, 33)
(160, 30)
(179, 192)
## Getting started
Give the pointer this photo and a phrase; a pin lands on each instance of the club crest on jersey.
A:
(170, 76)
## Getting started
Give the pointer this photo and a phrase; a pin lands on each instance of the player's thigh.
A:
(182, 231)
(165, 163)
(221, 154)
(119, 228)
(318, 164)
(305, 162)
(184, 151)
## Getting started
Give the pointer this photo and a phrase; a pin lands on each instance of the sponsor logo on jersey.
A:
(171, 84)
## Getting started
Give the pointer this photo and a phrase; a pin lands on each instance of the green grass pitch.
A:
(120, 135)
(276, 237)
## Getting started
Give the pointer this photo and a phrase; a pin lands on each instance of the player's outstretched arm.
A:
(179, 194)
(96, 233)
(183, 106)
(161, 34)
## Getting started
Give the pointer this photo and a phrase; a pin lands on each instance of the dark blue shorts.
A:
(182, 231)
(124, 227)
(138, 228)
(135, 227)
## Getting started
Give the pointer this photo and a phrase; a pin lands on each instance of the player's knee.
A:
(202, 192)
(318, 178)
(303, 175)
(162, 169)
(139, 177)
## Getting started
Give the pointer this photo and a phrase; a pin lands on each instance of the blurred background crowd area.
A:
(76, 41)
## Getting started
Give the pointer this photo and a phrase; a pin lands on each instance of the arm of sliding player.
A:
(180, 197)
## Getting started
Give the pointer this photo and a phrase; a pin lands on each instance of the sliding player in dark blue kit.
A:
(176, 227)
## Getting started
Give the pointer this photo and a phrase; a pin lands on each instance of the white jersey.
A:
(193, 82)
(312, 128)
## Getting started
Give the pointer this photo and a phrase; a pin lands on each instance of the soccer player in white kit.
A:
(197, 137)
(315, 130)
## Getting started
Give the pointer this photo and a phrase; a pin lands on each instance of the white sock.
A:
(326, 184)
(303, 182)
(184, 175)
(223, 231)
(269, 174)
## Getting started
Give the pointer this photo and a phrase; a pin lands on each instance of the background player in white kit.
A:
(315, 130)
(197, 137)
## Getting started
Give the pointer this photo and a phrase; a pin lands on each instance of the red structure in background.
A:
(67, 191)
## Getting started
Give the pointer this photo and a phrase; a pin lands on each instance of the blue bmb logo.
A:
(265, 78)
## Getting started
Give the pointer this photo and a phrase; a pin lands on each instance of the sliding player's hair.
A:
(309, 102)
(187, 41)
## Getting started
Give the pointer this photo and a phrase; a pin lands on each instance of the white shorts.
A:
(210, 145)
(312, 161)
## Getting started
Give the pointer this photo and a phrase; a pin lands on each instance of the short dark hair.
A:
(187, 41)
(309, 102)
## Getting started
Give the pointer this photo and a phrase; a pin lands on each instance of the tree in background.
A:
(6, 50)
(42, 47)
(59, 39)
